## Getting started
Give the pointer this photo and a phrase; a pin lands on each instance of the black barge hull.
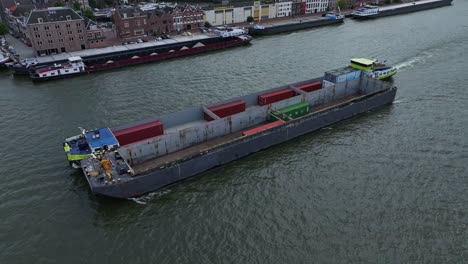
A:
(407, 9)
(293, 27)
(243, 146)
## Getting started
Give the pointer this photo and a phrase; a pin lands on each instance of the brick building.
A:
(187, 17)
(55, 30)
(130, 22)
(160, 21)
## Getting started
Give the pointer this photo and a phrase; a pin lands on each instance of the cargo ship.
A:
(296, 24)
(121, 56)
(131, 160)
(369, 11)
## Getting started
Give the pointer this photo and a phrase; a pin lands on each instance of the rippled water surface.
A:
(386, 187)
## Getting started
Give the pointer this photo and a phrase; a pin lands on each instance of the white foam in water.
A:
(144, 199)
(414, 61)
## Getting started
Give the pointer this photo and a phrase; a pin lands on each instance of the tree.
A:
(93, 3)
(59, 3)
(76, 5)
(207, 24)
(250, 19)
(342, 4)
(3, 28)
(89, 13)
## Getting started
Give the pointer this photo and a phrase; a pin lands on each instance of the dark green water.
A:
(389, 186)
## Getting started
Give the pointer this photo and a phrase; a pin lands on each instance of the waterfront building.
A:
(160, 21)
(99, 36)
(315, 6)
(187, 17)
(298, 7)
(284, 8)
(225, 15)
(263, 11)
(55, 30)
(130, 22)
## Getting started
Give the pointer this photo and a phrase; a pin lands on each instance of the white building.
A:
(228, 15)
(283, 9)
(314, 6)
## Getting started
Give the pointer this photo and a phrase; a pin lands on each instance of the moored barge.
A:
(121, 56)
(130, 160)
(369, 12)
(296, 24)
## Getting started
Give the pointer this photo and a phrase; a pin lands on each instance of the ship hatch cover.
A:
(184, 48)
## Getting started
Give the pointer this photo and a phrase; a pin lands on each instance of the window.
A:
(35, 29)
(80, 31)
(60, 40)
(68, 25)
(38, 36)
(78, 24)
(126, 24)
(68, 17)
(39, 20)
(57, 26)
(51, 41)
(46, 27)
(60, 33)
(70, 38)
(81, 37)
(49, 35)
(70, 32)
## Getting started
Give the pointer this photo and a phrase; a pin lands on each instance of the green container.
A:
(290, 112)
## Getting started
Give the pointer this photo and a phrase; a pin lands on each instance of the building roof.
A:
(52, 14)
(125, 12)
(23, 10)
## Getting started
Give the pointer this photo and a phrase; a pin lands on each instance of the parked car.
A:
(139, 41)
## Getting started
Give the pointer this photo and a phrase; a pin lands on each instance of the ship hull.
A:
(407, 9)
(135, 57)
(95, 67)
(293, 27)
(241, 147)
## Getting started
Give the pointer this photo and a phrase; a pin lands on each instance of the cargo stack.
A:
(290, 112)
(227, 109)
(138, 133)
(310, 87)
(276, 96)
(342, 75)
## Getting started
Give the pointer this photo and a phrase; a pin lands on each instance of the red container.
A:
(309, 87)
(140, 132)
(275, 96)
(262, 128)
(226, 109)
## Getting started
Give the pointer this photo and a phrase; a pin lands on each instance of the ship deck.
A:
(121, 48)
(397, 6)
(268, 24)
(193, 150)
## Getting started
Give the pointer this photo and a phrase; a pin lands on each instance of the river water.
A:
(386, 187)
